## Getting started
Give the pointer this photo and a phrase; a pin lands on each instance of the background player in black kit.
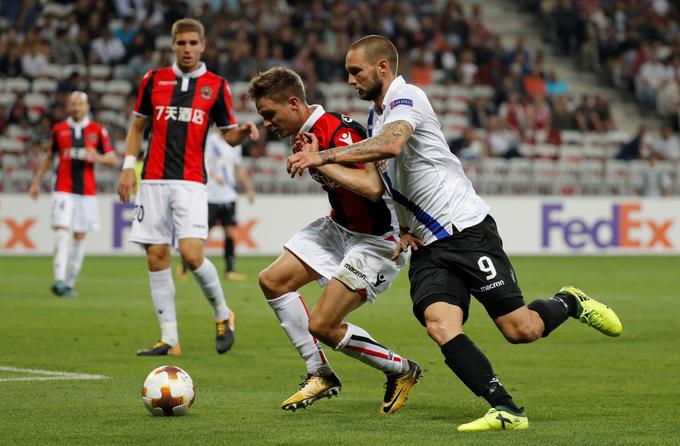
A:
(349, 251)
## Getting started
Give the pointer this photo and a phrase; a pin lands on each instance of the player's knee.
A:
(321, 330)
(440, 332)
(271, 286)
(192, 259)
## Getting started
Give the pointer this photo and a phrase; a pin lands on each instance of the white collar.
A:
(200, 71)
(397, 83)
(316, 114)
(78, 124)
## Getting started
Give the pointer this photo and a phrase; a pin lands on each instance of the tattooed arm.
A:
(388, 144)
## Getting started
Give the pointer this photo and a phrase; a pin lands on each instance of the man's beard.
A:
(374, 92)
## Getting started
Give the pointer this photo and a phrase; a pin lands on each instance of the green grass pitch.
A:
(579, 387)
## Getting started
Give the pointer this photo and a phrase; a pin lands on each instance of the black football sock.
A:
(474, 369)
(570, 301)
(229, 254)
(553, 312)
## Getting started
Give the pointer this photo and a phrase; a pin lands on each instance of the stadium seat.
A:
(11, 145)
(99, 71)
(17, 85)
(119, 86)
(163, 42)
(98, 86)
(44, 86)
(7, 99)
(617, 175)
(544, 176)
(591, 176)
(571, 137)
(121, 72)
(113, 102)
(68, 70)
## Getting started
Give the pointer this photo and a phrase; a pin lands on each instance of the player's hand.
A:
(251, 129)
(92, 156)
(406, 241)
(127, 182)
(34, 191)
(298, 162)
(306, 142)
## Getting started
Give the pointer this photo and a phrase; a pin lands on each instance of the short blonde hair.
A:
(277, 84)
(376, 48)
(187, 25)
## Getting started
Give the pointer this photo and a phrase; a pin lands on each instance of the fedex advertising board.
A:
(528, 225)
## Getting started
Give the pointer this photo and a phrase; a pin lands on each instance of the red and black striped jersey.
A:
(70, 141)
(348, 208)
(182, 107)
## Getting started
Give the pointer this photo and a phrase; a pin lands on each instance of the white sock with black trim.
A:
(75, 261)
(60, 261)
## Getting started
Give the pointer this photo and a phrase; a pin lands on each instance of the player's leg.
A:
(152, 228)
(228, 221)
(75, 262)
(158, 257)
(280, 283)
(62, 209)
(189, 210)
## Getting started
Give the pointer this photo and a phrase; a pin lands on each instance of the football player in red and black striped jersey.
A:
(180, 103)
(77, 144)
(349, 251)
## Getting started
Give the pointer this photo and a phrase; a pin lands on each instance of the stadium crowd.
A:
(498, 102)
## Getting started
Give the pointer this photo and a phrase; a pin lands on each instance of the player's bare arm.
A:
(244, 181)
(108, 159)
(365, 182)
(45, 164)
(133, 143)
(388, 144)
(235, 136)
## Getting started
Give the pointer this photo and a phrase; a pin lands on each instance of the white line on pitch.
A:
(47, 375)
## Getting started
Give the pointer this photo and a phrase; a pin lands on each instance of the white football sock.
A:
(358, 344)
(163, 296)
(75, 261)
(291, 311)
(60, 261)
(207, 277)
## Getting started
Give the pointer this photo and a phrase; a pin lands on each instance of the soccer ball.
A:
(168, 391)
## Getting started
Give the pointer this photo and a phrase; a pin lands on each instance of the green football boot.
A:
(496, 419)
(596, 314)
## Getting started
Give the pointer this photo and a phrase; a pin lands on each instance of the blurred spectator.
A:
(657, 181)
(538, 114)
(467, 147)
(500, 142)
(108, 49)
(126, 31)
(467, 69)
(653, 76)
(562, 117)
(65, 51)
(533, 82)
(555, 86)
(512, 114)
(33, 62)
(633, 149)
(10, 61)
(666, 146)
(586, 117)
(601, 108)
(479, 110)
(18, 113)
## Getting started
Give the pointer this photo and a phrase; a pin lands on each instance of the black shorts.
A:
(468, 262)
(223, 214)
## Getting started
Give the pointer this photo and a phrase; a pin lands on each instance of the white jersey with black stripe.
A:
(426, 181)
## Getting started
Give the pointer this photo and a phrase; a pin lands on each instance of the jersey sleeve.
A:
(143, 106)
(104, 145)
(222, 111)
(406, 106)
(348, 133)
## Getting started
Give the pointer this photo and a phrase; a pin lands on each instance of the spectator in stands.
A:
(601, 108)
(586, 117)
(467, 69)
(10, 61)
(467, 147)
(652, 77)
(18, 113)
(657, 181)
(107, 48)
(126, 31)
(65, 51)
(479, 110)
(500, 142)
(512, 113)
(33, 62)
(555, 86)
(666, 146)
(533, 82)
(633, 149)
(562, 116)
(538, 114)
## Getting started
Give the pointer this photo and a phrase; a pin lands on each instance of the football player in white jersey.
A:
(456, 247)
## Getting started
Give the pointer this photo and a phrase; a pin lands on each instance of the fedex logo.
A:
(625, 227)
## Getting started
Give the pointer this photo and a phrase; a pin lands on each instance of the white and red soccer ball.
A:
(168, 391)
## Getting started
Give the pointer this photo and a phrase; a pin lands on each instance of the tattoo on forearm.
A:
(371, 149)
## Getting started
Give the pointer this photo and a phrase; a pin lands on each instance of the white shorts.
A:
(169, 209)
(76, 212)
(360, 261)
